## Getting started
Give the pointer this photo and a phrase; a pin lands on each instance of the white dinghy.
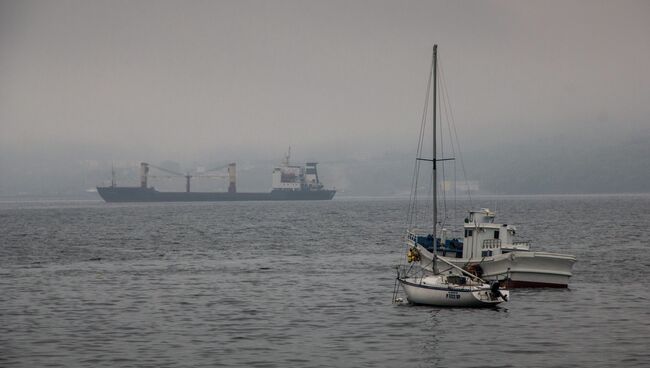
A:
(453, 287)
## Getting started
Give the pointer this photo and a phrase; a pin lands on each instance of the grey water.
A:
(305, 284)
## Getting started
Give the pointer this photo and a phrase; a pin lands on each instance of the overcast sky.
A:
(184, 78)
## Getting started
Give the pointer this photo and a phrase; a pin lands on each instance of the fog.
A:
(548, 96)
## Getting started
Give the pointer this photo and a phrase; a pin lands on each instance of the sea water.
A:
(306, 284)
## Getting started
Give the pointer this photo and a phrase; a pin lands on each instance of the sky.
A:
(181, 80)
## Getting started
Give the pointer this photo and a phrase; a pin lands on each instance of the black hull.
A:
(137, 194)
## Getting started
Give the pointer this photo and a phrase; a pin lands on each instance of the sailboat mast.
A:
(435, 179)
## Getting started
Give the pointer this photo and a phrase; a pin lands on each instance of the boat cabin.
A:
(482, 238)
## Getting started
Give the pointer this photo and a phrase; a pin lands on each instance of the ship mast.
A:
(287, 157)
(113, 181)
(435, 182)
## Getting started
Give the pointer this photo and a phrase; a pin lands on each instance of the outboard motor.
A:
(496, 293)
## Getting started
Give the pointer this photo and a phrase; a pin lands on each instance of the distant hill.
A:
(563, 166)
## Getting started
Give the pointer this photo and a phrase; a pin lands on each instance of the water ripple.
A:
(304, 284)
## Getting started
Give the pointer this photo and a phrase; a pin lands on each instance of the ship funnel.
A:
(232, 178)
(144, 171)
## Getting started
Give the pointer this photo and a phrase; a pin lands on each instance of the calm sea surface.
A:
(305, 284)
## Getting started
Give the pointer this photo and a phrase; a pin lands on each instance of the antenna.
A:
(287, 157)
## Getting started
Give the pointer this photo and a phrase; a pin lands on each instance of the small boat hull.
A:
(419, 291)
(529, 269)
(517, 269)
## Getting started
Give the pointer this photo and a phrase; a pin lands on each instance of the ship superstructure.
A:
(289, 177)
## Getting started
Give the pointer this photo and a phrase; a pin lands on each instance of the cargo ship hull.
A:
(138, 194)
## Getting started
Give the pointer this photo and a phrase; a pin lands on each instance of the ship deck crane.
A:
(145, 170)
(144, 174)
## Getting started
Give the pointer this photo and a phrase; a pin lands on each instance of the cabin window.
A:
(468, 233)
(496, 234)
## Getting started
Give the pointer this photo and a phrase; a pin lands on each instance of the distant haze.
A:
(548, 96)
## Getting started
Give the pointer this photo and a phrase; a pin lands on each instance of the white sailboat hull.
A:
(519, 269)
(419, 291)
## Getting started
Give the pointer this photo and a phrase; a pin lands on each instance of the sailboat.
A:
(452, 286)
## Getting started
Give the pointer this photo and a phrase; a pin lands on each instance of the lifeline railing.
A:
(491, 243)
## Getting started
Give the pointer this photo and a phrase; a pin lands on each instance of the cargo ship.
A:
(289, 183)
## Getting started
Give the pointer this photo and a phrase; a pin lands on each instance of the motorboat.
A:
(491, 251)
